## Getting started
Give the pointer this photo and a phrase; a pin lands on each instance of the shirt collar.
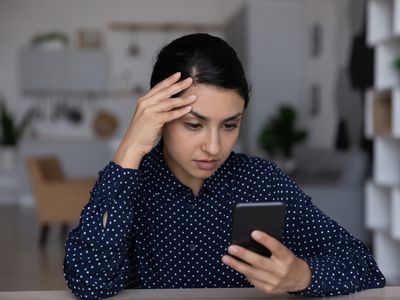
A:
(218, 184)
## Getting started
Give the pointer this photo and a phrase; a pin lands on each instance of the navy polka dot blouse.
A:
(159, 235)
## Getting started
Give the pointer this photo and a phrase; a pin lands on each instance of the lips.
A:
(206, 164)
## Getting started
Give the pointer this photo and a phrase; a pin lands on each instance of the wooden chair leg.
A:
(44, 231)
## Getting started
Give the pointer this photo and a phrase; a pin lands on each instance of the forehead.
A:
(215, 101)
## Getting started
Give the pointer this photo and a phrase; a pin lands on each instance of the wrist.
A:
(304, 276)
(128, 157)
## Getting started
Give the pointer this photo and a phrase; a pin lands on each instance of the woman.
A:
(159, 215)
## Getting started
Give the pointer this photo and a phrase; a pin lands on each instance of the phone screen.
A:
(268, 217)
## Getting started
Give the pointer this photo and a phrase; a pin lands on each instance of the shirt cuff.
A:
(114, 192)
(314, 289)
(114, 180)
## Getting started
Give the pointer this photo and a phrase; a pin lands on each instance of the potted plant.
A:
(52, 40)
(279, 137)
(10, 134)
(396, 63)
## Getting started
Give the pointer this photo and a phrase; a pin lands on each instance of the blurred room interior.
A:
(71, 71)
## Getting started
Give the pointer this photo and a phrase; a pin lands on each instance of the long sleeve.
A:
(100, 261)
(340, 263)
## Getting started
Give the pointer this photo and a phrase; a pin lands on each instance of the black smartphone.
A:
(268, 217)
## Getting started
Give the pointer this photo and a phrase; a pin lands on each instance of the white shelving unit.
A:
(382, 117)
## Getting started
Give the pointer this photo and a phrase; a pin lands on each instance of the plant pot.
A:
(8, 158)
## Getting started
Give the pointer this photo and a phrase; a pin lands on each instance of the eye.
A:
(230, 126)
(193, 126)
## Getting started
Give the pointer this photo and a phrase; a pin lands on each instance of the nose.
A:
(212, 143)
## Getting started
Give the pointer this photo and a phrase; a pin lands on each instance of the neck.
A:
(194, 184)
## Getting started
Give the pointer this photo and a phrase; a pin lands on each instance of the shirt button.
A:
(116, 184)
(190, 206)
(192, 247)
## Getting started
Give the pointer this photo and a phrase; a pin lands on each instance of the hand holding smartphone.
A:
(268, 217)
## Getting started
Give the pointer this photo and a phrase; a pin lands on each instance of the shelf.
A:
(382, 209)
(395, 214)
(386, 168)
(385, 74)
(368, 113)
(382, 123)
(165, 26)
(396, 18)
(382, 109)
(382, 113)
(377, 207)
(386, 253)
(396, 113)
(379, 20)
(67, 71)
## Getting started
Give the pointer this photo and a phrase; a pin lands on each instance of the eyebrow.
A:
(201, 117)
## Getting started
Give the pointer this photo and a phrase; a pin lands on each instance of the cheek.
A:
(176, 138)
(232, 137)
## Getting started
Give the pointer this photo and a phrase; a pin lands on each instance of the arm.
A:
(340, 264)
(96, 263)
(317, 257)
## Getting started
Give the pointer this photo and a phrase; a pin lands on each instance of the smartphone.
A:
(268, 217)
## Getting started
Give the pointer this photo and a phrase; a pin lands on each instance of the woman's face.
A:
(197, 144)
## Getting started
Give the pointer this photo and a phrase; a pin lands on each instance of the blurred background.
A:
(325, 105)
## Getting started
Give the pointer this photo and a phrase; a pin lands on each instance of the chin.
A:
(204, 174)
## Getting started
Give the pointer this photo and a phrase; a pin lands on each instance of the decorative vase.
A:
(8, 158)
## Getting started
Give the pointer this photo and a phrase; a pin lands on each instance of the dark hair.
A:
(207, 59)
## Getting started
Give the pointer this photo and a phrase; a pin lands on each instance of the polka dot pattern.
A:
(159, 235)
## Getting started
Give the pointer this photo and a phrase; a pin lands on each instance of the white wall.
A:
(275, 60)
(338, 20)
(287, 38)
(21, 19)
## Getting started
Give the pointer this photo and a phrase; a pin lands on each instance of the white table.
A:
(197, 294)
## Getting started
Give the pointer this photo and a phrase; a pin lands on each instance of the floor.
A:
(24, 265)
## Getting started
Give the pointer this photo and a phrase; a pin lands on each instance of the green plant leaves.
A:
(10, 131)
(279, 136)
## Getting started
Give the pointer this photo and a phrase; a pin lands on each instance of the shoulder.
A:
(246, 164)
(261, 177)
(251, 175)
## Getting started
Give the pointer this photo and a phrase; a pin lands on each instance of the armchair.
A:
(59, 201)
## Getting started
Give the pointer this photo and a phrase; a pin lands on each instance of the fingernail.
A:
(176, 74)
(233, 249)
(192, 97)
(188, 108)
(256, 234)
(226, 259)
(188, 79)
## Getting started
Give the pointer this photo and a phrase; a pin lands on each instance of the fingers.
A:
(166, 82)
(166, 111)
(269, 242)
(176, 114)
(258, 270)
(266, 287)
(166, 91)
(174, 103)
(171, 90)
(251, 257)
(243, 268)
